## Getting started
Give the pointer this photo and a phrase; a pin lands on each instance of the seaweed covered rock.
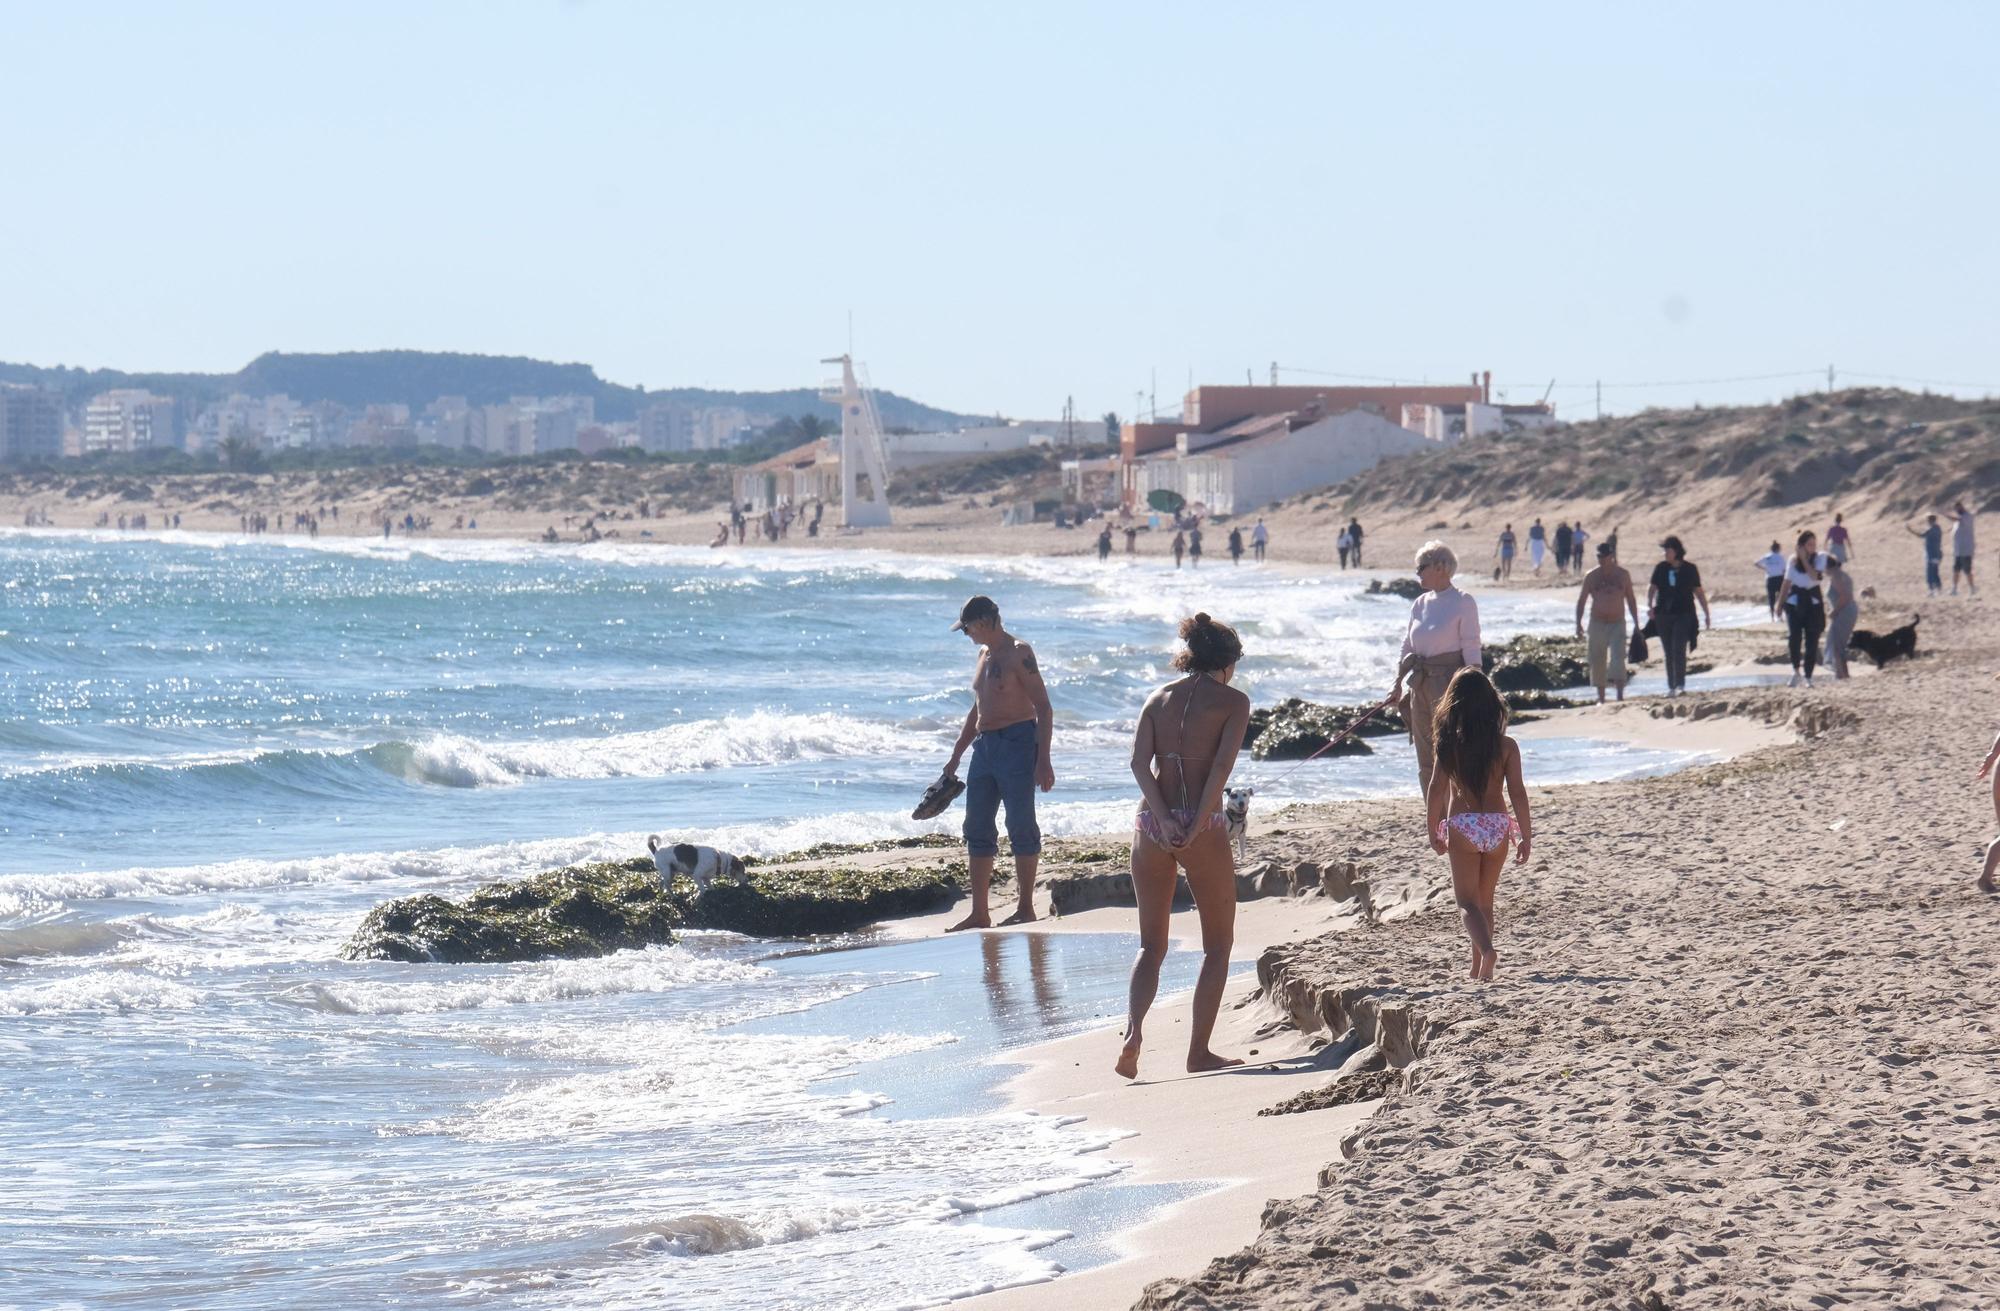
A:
(1407, 588)
(579, 910)
(1294, 729)
(1537, 664)
(799, 903)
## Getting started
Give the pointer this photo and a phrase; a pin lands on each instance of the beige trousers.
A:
(1429, 677)
(1607, 652)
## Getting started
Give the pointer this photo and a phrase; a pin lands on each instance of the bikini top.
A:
(1180, 761)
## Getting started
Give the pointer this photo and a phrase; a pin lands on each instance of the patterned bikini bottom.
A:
(1485, 830)
(1146, 826)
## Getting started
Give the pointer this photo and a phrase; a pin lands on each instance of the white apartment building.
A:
(127, 419)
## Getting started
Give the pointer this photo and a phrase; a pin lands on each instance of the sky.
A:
(1017, 204)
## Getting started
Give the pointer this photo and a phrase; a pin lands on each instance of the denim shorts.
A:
(1003, 771)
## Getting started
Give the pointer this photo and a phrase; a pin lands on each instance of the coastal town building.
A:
(804, 473)
(670, 426)
(1236, 448)
(913, 450)
(129, 419)
(31, 423)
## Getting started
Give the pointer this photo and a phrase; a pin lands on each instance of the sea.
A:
(217, 753)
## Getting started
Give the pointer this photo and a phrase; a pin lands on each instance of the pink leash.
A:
(1334, 741)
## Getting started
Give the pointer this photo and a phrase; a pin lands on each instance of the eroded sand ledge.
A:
(1741, 1054)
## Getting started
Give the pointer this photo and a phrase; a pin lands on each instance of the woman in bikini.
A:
(1186, 745)
(1468, 818)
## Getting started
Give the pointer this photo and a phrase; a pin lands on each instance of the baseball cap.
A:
(1603, 549)
(979, 610)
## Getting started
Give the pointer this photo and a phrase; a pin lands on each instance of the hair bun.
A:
(1201, 619)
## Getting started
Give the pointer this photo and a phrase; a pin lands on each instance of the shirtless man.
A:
(1608, 591)
(1008, 729)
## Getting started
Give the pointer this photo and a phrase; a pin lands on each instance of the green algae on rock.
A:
(606, 906)
(799, 903)
(579, 910)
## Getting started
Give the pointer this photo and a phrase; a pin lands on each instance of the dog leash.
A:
(1334, 741)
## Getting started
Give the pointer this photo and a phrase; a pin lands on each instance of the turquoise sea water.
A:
(217, 754)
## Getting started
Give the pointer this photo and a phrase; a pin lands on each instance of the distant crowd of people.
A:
(1568, 539)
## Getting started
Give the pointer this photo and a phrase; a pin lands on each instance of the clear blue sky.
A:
(1017, 203)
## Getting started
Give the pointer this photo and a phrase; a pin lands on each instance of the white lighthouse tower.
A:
(864, 457)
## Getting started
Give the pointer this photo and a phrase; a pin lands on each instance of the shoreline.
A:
(1205, 1132)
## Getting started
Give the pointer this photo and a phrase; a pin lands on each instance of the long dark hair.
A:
(1469, 728)
(1211, 646)
(1799, 553)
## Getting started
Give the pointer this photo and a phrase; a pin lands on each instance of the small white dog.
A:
(1236, 815)
(704, 865)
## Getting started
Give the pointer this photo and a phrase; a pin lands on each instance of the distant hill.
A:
(416, 378)
(1893, 452)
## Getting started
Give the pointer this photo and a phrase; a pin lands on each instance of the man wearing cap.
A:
(1008, 729)
(1608, 590)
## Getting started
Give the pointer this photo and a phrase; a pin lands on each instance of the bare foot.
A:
(1986, 883)
(1024, 915)
(1486, 971)
(972, 921)
(1204, 1060)
(1128, 1061)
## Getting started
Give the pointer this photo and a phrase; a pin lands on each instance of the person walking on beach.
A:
(1804, 605)
(1236, 546)
(1104, 544)
(1467, 817)
(1182, 755)
(1538, 542)
(1260, 536)
(1131, 541)
(1670, 603)
(1933, 535)
(1773, 563)
(1987, 770)
(1442, 637)
(1180, 547)
(1194, 547)
(1009, 729)
(1607, 589)
(1562, 549)
(1577, 538)
(1839, 542)
(1842, 611)
(1344, 543)
(1354, 540)
(1504, 552)
(1961, 549)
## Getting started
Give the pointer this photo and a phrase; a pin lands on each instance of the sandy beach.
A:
(1740, 1049)
(1739, 1052)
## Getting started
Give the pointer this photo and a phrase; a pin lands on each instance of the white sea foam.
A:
(100, 992)
(759, 738)
(652, 969)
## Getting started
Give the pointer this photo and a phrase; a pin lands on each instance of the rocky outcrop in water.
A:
(1537, 664)
(607, 906)
(1407, 588)
(1294, 729)
(580, 910)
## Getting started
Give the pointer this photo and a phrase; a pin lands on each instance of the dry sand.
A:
(1741, 1052)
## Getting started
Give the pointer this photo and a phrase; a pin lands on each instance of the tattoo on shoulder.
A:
(1028, 658)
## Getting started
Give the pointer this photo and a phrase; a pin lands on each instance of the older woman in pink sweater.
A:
(1442, 637)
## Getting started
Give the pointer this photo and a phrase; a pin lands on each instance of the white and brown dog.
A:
(1236, 816)
(703, 865)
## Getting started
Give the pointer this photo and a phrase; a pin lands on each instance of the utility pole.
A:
(1274, 373)
(1600, 398)
(1138, 405)
(1153, 395)
(1829, 380)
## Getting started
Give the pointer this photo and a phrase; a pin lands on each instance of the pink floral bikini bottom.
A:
(1146, 826)
(1485, 830)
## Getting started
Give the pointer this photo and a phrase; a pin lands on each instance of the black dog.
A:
(1884, 647)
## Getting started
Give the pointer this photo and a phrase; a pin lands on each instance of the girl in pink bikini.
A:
(1185, 746)
(1468, 818)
